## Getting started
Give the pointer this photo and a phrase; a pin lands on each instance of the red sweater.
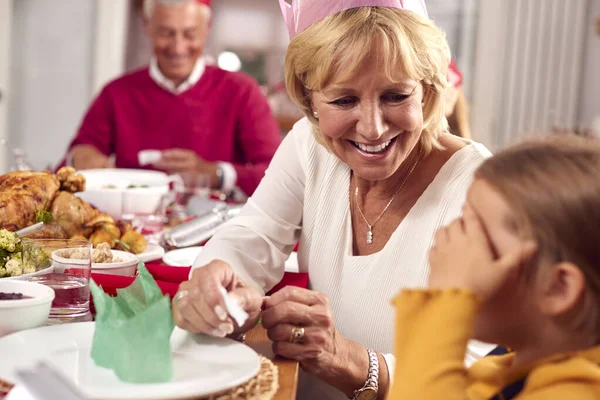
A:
(224, 117)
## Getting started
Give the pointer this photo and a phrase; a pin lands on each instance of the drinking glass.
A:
(65, 266)
(194, 185)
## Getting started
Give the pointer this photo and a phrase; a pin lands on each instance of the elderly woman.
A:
(362, 182)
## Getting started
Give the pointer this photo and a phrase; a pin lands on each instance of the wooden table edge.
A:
(288, 370)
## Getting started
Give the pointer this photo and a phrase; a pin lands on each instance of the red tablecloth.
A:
(169, 278)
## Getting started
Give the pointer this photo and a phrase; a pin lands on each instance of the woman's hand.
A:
(198, 306)
(318, 347)
(462, 258)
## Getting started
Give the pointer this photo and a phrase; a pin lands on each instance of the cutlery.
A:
(30, 229)
(46, 383)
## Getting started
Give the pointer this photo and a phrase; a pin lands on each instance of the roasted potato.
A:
(112, 230)
(99, 220)
(133, 242)
(102, 236)
(78, 237)
(124, 227)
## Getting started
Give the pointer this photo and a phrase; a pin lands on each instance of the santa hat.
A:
(303, 13)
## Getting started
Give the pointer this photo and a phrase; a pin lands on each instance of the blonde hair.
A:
(458, 121)
(553, 187)
(334, 47)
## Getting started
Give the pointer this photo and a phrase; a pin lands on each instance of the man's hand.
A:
(174, 161)
(86, 156)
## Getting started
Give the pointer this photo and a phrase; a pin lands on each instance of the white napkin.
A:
(19, 392)
(233, 308)
(146, 157)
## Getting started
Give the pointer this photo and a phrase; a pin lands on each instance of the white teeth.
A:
(373, 149)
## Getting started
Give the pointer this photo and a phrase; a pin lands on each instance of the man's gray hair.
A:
(149, 5)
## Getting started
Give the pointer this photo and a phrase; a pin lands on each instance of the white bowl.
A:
(127, 267)
(109, 190)
(18, 315)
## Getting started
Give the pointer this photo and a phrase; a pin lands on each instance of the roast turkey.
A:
(27, 197)
(23, 194)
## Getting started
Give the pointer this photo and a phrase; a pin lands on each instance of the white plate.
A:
(153, 252)
(201, 365)
(186, 257)
(182, 257)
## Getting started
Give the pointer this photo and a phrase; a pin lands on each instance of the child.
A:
(520, 268)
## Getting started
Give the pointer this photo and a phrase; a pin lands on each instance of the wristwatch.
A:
(371, 386)
(220, 176)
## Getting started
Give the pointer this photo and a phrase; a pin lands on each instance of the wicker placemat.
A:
(262, 387)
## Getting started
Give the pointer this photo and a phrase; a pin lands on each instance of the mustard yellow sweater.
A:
(432, 330)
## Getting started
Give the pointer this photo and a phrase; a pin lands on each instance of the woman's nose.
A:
(371, 123)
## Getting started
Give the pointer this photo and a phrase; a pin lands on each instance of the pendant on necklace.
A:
(370, 237)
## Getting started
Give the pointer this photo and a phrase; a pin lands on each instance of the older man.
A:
(196, 117)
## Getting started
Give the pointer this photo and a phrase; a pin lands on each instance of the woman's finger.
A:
(185, 324)
(183, 314)
(298, 352)
(297, 314)
(296, 294)
(284, 333)
(208, 280)
(203, 307)
(214, 326)
(188, 310)
(250, 299)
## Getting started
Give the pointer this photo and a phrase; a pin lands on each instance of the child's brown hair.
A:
(552, 185)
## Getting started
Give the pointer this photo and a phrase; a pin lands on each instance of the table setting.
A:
(89, 308)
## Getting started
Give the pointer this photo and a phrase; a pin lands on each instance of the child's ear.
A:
(562, 289)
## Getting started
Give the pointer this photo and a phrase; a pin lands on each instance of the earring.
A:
(316, 114)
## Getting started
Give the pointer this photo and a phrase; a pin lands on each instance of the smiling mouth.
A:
(372, 149)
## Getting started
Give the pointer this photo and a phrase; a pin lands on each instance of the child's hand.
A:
(462, 258)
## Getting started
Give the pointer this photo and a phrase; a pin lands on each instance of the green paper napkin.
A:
(133, 331)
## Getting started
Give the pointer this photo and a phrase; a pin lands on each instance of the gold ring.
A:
(180, 295)
(297, 335)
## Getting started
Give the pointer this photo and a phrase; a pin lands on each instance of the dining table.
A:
(288, 370)
(256, 339)
(169, 278)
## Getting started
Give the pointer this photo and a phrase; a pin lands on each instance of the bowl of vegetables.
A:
(11, 258)
(23, 305)
(126, 191)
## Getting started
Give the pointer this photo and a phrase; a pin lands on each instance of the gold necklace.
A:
(370, 226)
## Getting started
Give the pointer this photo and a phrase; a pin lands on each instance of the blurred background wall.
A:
(528, 64)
